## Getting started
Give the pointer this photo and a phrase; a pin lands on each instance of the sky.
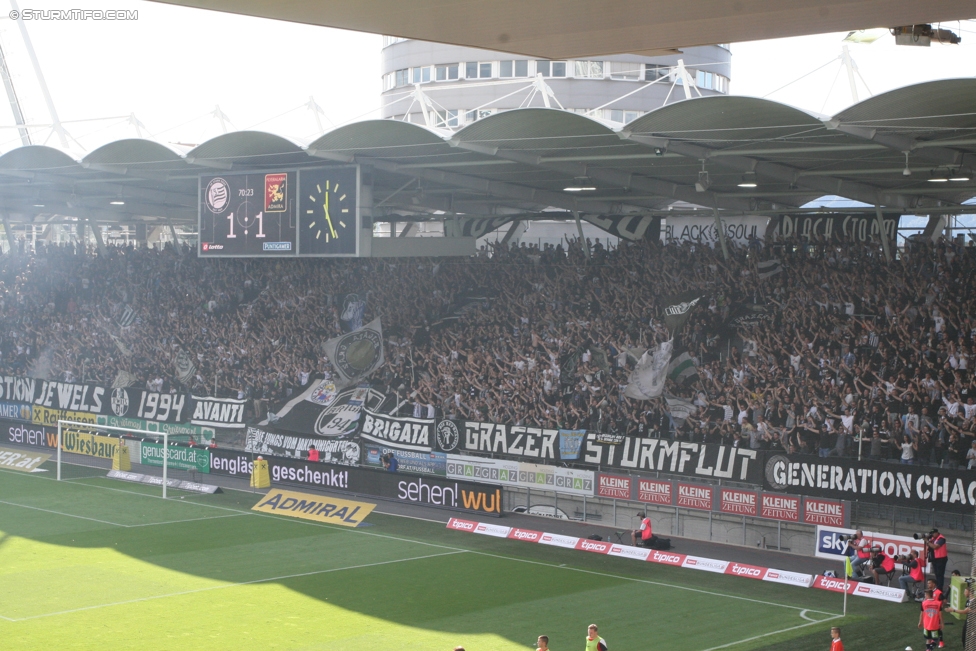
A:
(173, 66)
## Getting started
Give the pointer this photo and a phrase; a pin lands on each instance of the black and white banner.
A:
(675, 458)
(704, 230)
(339, 451)
(218, 412)
(321, 410)
(124, 402)
(833, 227)
(407, 433)
(478, 226)
(628, 227)
(678, 309)
(923, 487)
(527, 443)
(355, 355)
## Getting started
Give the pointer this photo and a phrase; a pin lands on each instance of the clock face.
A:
(328, 211)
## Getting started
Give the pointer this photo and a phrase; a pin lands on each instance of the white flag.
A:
(647, 380)
(355, 355)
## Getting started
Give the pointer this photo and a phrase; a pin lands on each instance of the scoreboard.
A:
(281, 213)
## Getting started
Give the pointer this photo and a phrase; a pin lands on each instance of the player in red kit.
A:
(835, 643)
(930, 621)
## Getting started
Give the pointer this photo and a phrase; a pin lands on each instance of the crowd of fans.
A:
(843, 350)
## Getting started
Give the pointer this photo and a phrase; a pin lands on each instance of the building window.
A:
(420, 75)
(480, 114)
(588, 69)
(513, 68)
(625, 70)
(446, 118)
(551, 68)
(446, 72)
(476, 70)
(653, 72)
(402, 77)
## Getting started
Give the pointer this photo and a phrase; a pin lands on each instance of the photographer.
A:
(644, 536)
(912, 573)
(859, 549)
(938, 554)
(881, 563)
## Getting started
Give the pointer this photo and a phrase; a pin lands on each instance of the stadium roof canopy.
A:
(559, 29)
(533, 160)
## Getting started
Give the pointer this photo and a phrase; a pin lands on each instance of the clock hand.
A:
(327, 217)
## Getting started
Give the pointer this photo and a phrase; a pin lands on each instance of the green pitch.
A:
(92, 563)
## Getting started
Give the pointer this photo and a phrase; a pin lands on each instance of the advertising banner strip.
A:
(641, 554)
(521, 474)
(15, 411)
(314, 507)
(858, 589)
(178, 457)
(832, 543)
(21, 460)
(483, 499)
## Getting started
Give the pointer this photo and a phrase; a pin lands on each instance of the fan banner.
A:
(218, 412)
(675, 458)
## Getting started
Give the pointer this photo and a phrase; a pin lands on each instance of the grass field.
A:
(92, 563)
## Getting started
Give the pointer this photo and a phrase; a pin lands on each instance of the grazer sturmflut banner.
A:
(674, 458)
(925, 487)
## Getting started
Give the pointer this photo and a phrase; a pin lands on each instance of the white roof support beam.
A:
(899, 142)
(825, 184)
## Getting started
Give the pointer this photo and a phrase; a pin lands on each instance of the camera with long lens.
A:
(847, 537)
(920, 536)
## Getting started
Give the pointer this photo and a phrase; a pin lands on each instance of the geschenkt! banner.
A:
(314, 507)
(674, 458)
(521, 474)
(178, 457)
(925, 487)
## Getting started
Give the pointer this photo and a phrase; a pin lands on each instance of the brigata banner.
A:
(526, 443)
(524, 475)
(218, 412)
(440, 492)
(925, 487)
(674, 458)
(178, 456)
(415, 434)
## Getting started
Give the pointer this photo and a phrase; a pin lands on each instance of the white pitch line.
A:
(67, 515)
(785, 630)
(211, 517)
(231, 585)
(461, 549)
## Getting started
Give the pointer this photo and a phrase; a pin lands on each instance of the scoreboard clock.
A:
(328, 211)
(248, 215)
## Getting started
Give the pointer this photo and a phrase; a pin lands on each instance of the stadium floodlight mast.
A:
(161, 437)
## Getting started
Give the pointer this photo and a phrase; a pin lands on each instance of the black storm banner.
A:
(836, 228)
(674, 458)
(924, 487)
